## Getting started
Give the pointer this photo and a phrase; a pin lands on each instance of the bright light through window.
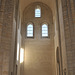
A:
(37, 12)
(18, 44)
(30, 30)
(44, 30)
(21, 55)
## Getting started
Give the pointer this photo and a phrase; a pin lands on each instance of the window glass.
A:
(44, 30)
(37, 12)
(30, 30)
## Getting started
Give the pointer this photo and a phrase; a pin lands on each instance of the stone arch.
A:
(46, 16)
(39, 3)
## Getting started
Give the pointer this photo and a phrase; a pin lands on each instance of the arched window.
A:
(30, 30)
(44, 30)
(38, 11)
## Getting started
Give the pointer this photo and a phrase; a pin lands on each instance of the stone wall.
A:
(39, 52)
(64, 37)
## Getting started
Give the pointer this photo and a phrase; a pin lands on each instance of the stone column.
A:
(68, 8)
(6, 39)
(2, 5)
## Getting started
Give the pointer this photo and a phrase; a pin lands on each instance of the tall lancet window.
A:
(45, 30)
(30, 30)
(38, 11)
